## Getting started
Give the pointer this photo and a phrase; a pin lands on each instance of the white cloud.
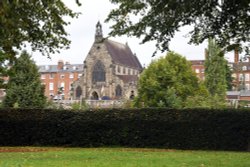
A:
(82, 31)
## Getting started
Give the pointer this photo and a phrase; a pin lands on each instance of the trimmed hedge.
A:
(151, 127)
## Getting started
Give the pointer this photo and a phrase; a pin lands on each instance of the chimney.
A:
(236, 55)
(60, 65)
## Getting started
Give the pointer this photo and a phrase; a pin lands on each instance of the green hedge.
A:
(163, 128)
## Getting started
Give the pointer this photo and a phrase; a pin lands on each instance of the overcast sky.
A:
(82, 32)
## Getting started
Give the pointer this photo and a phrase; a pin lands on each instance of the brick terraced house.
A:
(58, 79)
(241, 75)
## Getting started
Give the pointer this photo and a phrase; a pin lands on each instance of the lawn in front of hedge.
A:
(125, 157)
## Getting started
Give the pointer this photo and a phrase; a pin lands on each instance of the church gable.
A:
(98, 51)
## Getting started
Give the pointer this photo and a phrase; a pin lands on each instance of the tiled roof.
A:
(66, 68)
(122, 54)
(128, 78)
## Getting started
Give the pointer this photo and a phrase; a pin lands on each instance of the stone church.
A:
(110, 71)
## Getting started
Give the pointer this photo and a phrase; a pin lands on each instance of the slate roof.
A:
(66, 68)
(239, 66)
(233, 93)
(197, 62)
(243, 93)
(122, 54)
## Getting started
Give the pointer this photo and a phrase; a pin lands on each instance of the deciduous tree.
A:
(228, 22)
(167, 82)
(39, 23)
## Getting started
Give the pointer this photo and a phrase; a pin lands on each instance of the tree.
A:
(39, 23)
(229, 78)
(203, 99)
(24, 88)
(228, 22)
(215, 70)
(167, 82)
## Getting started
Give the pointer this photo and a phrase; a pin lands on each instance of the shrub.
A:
(150, 127)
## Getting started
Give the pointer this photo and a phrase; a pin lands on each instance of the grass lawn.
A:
(118, 157)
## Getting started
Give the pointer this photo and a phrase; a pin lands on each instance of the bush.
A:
(151, 127)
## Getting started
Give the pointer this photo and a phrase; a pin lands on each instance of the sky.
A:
(82, 31)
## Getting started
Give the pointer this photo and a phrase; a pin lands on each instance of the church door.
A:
(78, 92)
(95, 96)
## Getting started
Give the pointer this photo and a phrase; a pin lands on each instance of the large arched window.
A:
(78, 92)
(98, 74)
(118, 91)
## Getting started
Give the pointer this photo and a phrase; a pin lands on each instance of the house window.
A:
(51, 86)
(62, 76)
(98, 74)
(241, 77)
(197, 70)
(247, 86)
(71, 75)
(129, 72)
(62, 85)
(51, 76)
(43, 76)
(244, 68)
(246, 77)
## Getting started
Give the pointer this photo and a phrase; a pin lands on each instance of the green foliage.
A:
(229, 78)
(24, 89)
(167, 82)
(200, 99)
(37, 22)
(149, 127)
(75, 106)
(79, 106)
(210, 102)
(128, 104)
(203, 99)
(216, 72)
(51, 105)
(226, 21)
